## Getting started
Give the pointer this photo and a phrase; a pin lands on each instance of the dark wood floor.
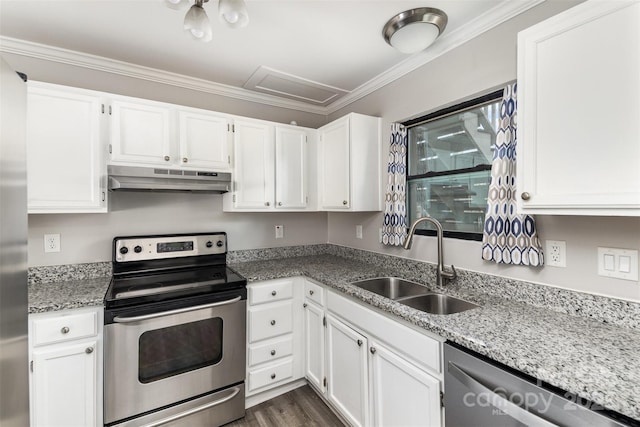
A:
(299, 407)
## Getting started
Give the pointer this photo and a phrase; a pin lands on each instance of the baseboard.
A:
(274, 392)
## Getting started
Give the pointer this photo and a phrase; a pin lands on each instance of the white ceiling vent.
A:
(277, 83)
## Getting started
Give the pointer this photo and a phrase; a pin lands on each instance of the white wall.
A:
(88, 237)
(486, 63)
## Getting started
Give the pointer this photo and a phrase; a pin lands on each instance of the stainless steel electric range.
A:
(175, 332)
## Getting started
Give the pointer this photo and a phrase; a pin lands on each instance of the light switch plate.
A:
(358, 232)
(618, 263)
(279, 231)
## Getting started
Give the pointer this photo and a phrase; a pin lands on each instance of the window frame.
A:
(439, 114)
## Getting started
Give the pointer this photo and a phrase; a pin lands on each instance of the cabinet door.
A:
(65, 385)
(291, 168)
(65, 153)
(578, 150)
(314, 345)
(347, 372)
(254, 162)
(334, 161)
(140, 133)
(204, 141)
(403, 395)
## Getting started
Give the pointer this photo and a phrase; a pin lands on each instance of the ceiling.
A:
(312, 55)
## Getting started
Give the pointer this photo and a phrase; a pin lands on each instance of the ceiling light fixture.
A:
(196, 22)
(414, 30)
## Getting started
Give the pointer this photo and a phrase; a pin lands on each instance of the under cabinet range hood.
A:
(135, 178)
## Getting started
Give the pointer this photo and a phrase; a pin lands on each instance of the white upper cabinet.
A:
(271, 169)
(254, 165)
(579, 112)
(65, 152)
(205, 140)
(141, 133)
(349, 164)
(153, 133)
(291, 168)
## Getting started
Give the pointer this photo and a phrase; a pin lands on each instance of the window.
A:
(449, 166)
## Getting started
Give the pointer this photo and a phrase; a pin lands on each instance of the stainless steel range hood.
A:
(134, 178)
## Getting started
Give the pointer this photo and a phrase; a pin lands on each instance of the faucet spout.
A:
(441, 272)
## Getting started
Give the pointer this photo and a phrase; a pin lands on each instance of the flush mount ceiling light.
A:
(196, 22)
(414, 30)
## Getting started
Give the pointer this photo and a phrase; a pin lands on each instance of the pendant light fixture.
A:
(196, 22)
(414, 30)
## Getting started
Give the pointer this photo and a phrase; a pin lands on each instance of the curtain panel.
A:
(394, 228)
(508, 237)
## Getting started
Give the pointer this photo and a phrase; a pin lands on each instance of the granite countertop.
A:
(590, 358)
(66, 294)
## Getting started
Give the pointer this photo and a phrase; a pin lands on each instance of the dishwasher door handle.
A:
(511, 409)
(119, 319)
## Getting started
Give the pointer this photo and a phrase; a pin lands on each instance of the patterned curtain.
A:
(508, 237)
(394, 229)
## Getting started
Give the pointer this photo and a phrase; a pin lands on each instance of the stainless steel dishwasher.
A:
(479, 392)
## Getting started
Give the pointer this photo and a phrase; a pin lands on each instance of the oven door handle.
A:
(235, 392)
(119, 319)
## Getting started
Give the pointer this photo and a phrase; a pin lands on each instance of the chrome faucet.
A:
(441, 273)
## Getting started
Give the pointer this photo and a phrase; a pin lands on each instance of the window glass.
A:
(449, 165)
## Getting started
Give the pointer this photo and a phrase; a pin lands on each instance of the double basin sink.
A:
(414, 295)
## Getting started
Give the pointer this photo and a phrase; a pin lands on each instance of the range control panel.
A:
(143, 248)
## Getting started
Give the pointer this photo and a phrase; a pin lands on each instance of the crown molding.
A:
(108, 65)
(493, 17)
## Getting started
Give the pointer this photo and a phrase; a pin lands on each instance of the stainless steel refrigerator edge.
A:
(14, 376)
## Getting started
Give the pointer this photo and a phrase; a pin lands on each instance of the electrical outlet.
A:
(279, 231)
(555, 253)
(52, 243)
(358, 232)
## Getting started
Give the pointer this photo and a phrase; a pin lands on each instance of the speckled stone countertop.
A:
(593, 359)
(62, 287)
(585, 344)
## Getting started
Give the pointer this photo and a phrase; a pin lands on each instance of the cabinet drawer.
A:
(273, 290)
(64, 327)
(270, 320)
(274, 374)
(272, 350)
(314, 292)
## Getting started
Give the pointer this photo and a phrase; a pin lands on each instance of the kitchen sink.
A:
(392, 287)
(438, 304)
(414, 295)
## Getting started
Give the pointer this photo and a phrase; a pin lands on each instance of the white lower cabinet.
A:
(65, 351)
(373, 370)
(347, 376)
(401, 393)
(274, 321)
(314, 338)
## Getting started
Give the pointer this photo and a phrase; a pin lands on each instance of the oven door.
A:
(164, 355)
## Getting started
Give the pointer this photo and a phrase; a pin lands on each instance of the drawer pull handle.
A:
(273, 352)
(359, 343)
(273, 322)
(167, 158)
(372, 350)
(344, 202)
(525, 196)
(311, 292)
(89, 350)
(273, 376)
(273, 293)
(65, 330)
(304, 305)
(185, 160)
